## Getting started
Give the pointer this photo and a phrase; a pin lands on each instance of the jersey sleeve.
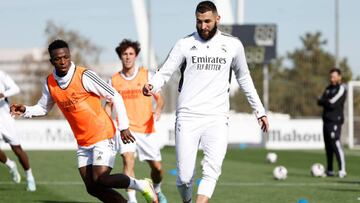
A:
(243, 77)
(337, 100)
(43, 106)
(93, 83)
(11, 87)
(171, 64)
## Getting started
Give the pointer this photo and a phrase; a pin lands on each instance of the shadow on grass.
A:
(343, 190)
(356, 182)
(50, 201)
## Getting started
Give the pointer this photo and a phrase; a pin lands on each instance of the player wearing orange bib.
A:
(77, 92)
(129, 82)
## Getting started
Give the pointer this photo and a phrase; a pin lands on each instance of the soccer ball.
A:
(280, 173)
(271, 157)
(317, 170)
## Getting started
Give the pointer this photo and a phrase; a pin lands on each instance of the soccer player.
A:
(77, 92)
(129, 82)
(332, 101)
(205, 59)
(8, 130)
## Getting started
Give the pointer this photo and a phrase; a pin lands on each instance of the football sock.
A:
(157, 187)
(29, 175)
(132, 196)
(185, 192)
(136, 184)
(10, 164)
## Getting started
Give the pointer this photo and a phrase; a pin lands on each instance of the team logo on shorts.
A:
(99, 156)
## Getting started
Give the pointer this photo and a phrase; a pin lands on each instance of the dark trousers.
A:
(332, 133)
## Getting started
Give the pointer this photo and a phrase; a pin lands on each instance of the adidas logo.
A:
(193, 48)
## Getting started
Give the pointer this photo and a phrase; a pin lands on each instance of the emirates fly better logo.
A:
(208, 62)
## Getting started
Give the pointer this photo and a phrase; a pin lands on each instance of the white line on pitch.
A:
(254, 184)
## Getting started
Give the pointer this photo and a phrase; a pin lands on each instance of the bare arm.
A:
(159, 106)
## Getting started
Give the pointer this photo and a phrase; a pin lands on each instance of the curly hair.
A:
(126, 43)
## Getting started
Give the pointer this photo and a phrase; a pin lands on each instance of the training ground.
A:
(246, 177)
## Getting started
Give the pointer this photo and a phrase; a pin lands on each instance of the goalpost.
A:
(353, 114)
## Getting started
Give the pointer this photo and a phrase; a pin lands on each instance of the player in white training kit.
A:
(9, 132)
(205, 59)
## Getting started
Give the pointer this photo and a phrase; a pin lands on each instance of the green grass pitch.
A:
(246, 177)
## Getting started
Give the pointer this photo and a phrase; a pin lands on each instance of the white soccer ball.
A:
(280, 173)
(271, 157)
(317, 170)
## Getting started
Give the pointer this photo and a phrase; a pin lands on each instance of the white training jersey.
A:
(205, 68)
(8, 88)
(92, 83)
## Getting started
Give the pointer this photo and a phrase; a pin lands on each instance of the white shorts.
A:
(146, 145)
(99, 154)
(8, 129)
(209, 132)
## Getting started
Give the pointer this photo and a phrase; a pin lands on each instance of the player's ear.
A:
(218, 19)
(51, 61)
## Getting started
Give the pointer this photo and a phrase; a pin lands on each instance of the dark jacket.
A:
(332, 101)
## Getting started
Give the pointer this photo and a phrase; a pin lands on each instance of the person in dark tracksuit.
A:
(332, 101)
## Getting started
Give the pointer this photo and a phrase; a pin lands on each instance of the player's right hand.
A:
(17, 109)
(147, 90)
(126, 136)
(264, 123)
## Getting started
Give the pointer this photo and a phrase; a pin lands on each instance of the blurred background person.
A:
(129, 82)
(332, 101)
(10, 134)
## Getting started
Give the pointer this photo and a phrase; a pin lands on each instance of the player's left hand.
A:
(264, 123)
(126, 136)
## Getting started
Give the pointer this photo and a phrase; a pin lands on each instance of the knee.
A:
(16, 149)
(156, 169)
(100, 179)
(92, 190)
(184, 179)
(185, 175)
(212, 170)
(129, 161)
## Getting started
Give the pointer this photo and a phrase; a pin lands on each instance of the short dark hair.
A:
(206, 6)
(57, 44)
(335, 70)
(126, 43)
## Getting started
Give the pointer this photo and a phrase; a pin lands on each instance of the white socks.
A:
(136, 184)
(10, 164)
(29, 175)
(157, 187)
(132, 196)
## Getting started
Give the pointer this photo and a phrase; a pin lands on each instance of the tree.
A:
(83, 52)
(294, 88)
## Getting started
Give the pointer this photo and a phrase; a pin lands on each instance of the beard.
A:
(210, 35)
